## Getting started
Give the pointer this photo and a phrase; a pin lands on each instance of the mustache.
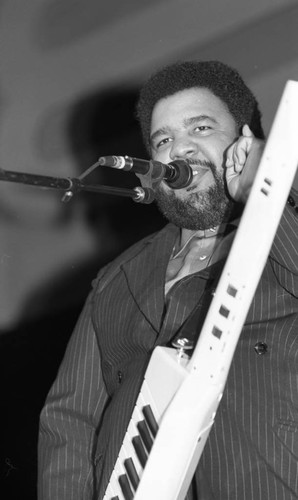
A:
(200, 163)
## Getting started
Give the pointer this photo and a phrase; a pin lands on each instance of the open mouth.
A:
(198, 171)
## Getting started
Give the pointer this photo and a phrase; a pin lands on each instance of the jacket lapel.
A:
(145, 275)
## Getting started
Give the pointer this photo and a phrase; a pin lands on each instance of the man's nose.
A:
(183, 148)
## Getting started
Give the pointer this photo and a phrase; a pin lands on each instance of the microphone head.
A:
(183, 174)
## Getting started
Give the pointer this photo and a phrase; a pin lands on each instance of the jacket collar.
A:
(145, 274)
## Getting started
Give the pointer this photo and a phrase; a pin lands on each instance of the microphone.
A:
(177, 174)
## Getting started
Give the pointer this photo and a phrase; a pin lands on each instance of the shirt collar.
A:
(187, 234)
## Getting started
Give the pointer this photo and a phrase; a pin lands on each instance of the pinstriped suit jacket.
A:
(252, 451)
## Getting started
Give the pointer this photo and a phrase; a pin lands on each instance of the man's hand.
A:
(243, 159)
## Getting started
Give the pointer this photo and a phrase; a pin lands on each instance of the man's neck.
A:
(187, 234)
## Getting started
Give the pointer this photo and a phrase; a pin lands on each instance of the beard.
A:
(201, 210)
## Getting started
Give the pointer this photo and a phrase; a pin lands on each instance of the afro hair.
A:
(222, 80)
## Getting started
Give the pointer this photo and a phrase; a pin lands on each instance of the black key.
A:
(140, 450)
(115, 498)
(145, 435)
(131, 472)
(150, 419)
(125, 487)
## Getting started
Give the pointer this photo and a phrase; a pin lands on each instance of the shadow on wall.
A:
(105, 124)
(99, 124)
(102, 124)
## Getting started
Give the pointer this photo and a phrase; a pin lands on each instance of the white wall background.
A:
(53, 52)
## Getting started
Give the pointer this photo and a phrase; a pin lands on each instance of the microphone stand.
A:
(71, 186)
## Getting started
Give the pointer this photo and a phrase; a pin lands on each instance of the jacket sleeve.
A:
(284, 252)
(70, 418)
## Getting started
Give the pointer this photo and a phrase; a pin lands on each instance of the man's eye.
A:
(163, 142)
(202, 128)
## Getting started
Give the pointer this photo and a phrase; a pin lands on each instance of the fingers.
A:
(238, 152)
(246, 132)
(243, 158)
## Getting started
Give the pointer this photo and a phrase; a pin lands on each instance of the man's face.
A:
(196, 125)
